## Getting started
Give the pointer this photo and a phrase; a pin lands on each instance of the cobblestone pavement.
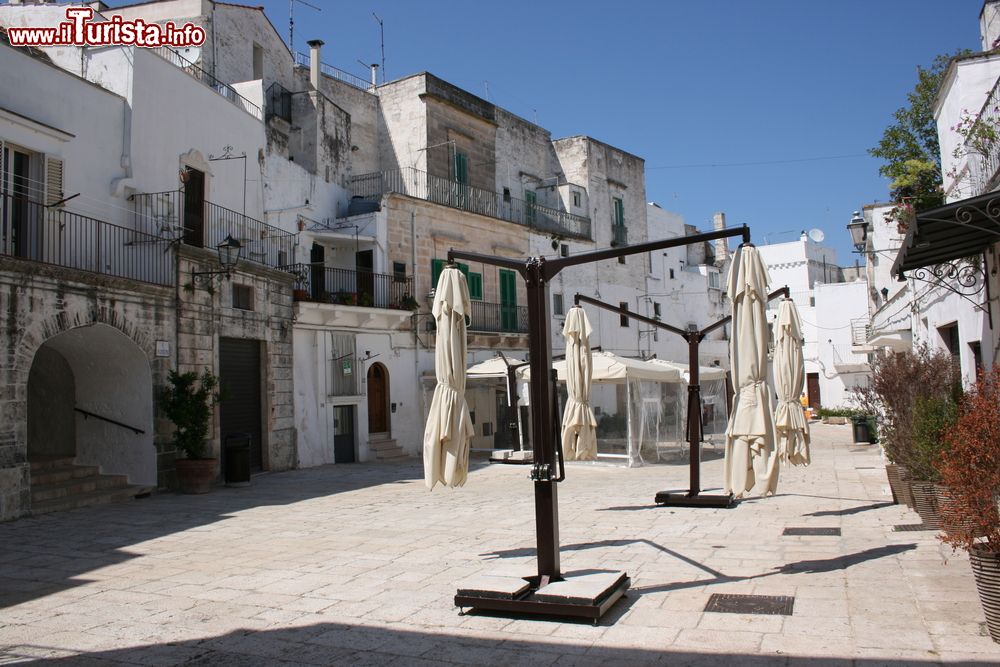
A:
(358, 564)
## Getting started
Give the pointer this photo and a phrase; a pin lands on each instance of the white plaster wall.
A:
(884, 242)
(91, 156)
(935, 308)
(836, 305)
(403, 124)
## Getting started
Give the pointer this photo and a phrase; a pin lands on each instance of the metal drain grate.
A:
(911, 527)
(728, 603)
(808, 530)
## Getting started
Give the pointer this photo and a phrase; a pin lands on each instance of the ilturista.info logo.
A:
(79, 29)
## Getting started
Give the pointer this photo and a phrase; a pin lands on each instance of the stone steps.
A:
(387, 450)
(57, 484)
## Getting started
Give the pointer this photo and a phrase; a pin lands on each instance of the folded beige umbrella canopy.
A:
(449, 425)
(789, 378)
(750, 434)
(579, 427)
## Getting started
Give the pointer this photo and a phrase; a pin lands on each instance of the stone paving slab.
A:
(359, 564)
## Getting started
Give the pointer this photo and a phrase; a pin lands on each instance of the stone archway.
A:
(89, 390)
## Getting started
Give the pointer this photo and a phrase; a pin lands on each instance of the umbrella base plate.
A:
(587, 596)
(668, 499)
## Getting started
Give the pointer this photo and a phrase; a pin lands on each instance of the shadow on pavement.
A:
(46, 554)
(850, 511)
(342, 643)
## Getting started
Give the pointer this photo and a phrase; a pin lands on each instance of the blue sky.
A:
(681, 83)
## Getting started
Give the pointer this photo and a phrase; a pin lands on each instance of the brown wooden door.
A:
(240, 408)
(194, 208)
(378, 398)
(812, 389)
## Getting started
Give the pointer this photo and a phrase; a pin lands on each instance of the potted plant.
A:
(188, 401)
(933, 416)
(898, 380)
(408, 303)
(970, 469)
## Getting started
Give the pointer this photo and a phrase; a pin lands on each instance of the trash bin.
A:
(861, 430)
(236, 459)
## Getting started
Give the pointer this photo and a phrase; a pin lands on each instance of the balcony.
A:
(198, 73)
(35, 232)
(416, 183)
(321, 284)
(847, 360)
(279, 102)
(983, 144)
(619, 235)
(302, 60)
(167, 215)
(489, 317)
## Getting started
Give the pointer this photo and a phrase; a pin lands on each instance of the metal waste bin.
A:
(236, 459)
(861, 431)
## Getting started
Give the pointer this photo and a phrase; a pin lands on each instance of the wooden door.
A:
(378, 399)
(812, 391)
(194, 208)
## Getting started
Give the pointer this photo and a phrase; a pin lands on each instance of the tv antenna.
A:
(816, 235)
(291, 22)
(381, 31)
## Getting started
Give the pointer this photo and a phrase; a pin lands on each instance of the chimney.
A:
(721, 245)
(314, 46)
(804, 237)
(374, 74)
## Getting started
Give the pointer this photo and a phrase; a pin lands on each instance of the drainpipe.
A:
(314, 62)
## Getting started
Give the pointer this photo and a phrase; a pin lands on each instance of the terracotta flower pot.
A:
(925, 503)
(196, 475)
(899, 483)
(986, 569)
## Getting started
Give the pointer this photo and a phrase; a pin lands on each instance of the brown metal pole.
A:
(694, 413)
(542, 435)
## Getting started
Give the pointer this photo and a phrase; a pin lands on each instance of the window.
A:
(671, 274)
(258, 61)
(437, 266)
(618, 214)
(713, 279)
(564, 250)
(475, 286)
(623, 319)
(461, 168)
(530, 199)
(656, 310)
(506, 195)
(949, 336)
(557, 304)
(977, 355)
(242, 297)
(621, 260)
(576, 198)
(487, 429)
(399, 272)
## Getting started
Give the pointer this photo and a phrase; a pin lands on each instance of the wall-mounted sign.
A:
(163, 348)
(346, 366)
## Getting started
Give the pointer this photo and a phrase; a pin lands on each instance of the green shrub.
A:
(932, 417)
(188, 403)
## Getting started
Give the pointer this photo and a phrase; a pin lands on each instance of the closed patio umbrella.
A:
(579, 427)
(789, 378)
(750, 434)
(449, 425)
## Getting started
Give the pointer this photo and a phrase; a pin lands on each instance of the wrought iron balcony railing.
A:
(302, 60)
(205, 225)
(861, 330)
(498, 318)
(315, 282)
(982, 144)
(198, 73)
(619, 235)
(30, 230)
(420, 184)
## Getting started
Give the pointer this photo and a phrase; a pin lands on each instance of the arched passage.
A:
(378, 400)
(98, 370)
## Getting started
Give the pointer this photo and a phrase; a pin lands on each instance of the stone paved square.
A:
(358, 564)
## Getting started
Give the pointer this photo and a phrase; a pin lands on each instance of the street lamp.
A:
(859, 231)
(230, 253)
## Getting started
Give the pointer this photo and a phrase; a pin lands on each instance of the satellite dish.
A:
(816, 235)
(192, 54)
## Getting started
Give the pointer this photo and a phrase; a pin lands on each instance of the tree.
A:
(909, 146)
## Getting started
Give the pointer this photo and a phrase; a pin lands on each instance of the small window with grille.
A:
(242, 297)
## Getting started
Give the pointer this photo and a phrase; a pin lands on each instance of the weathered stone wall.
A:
(39, 302)
(363, 108)
(403, 124)
(526, 160)
(203, 317)
(466, 121)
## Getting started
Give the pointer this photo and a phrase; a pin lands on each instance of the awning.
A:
(953, 231)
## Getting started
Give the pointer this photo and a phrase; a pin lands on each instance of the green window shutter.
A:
(476, 286)
(619, 211)
(530, 197)
(437, 266)
(461, 167)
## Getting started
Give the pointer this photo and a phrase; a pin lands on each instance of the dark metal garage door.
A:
(239, 375)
